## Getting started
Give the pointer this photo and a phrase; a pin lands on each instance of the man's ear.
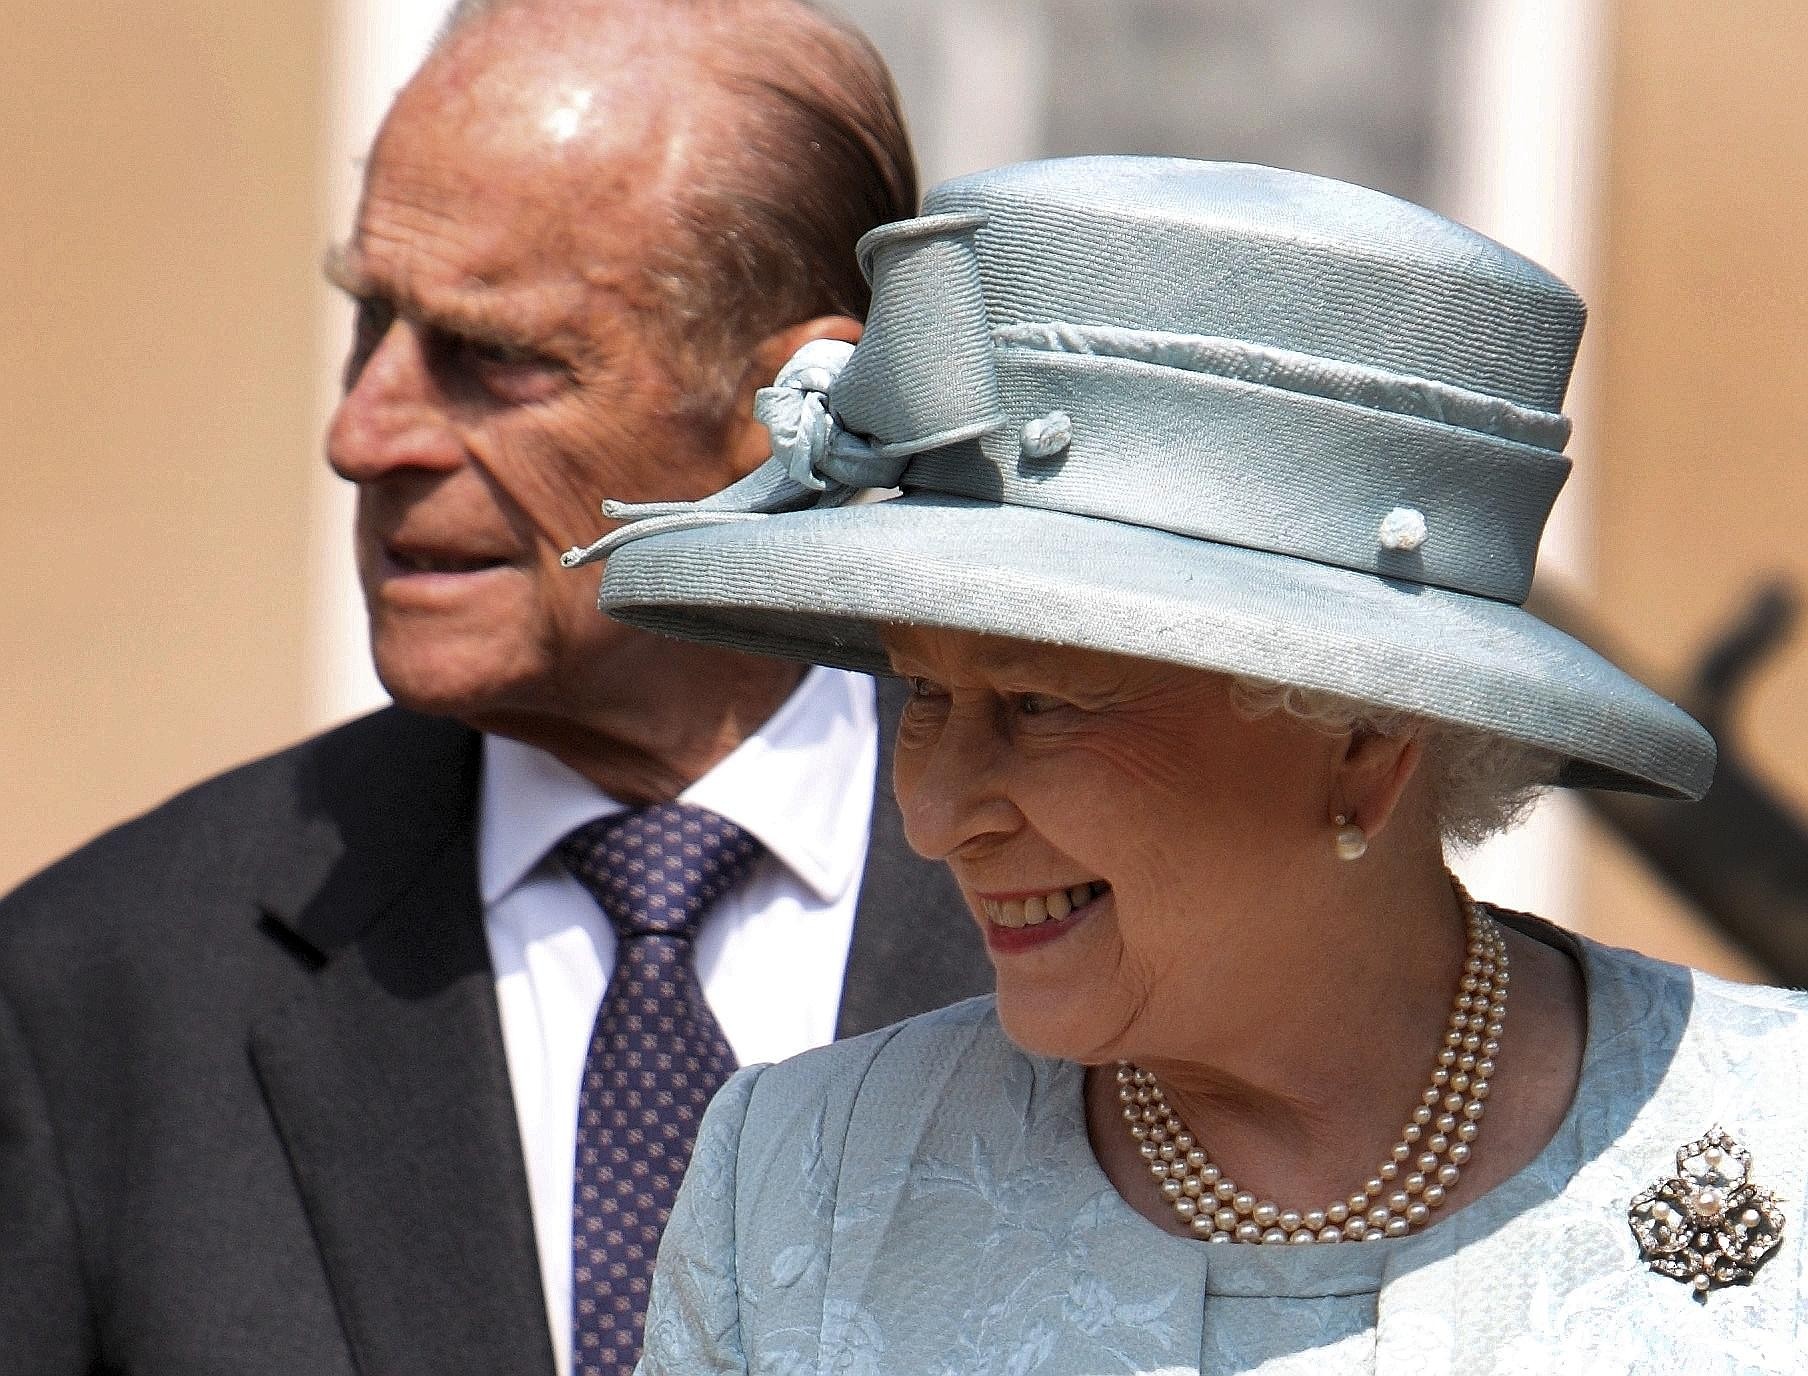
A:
(1372, 777)
(749, 445)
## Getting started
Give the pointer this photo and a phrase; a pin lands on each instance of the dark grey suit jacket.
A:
(254, 1110)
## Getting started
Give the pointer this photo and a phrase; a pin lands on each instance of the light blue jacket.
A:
(924, 1199)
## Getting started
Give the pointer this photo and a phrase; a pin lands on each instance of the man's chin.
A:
(467, 692)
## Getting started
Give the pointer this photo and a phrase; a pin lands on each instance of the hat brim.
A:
(818, 585)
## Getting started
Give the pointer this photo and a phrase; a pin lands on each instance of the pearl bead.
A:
(1434, 1195)
(1225, 1190)
(1330, 1233)
(1186, 1208)
(1398, 1227)
(1439, 1144)
(1428, 1161)
(1226, 1219)
(1377, 1216)
(1460, 1153)
(1266, 1213)
(1338, 1212)
(1448, 1176)
(1400, 1151)
(1411, 1133)
(1170, 1191)
(1421, 1115)
(1248, 1232)
(1398, 1202)
(1196, 1160)
(1415, 1182)
(1373, 1186)
(1315, 1219)
(1466, 1131)
(1192, 1186)
(1223, 1236)
(1274, 1235)
(1243, 1202)
(1474, 1109)
(1387, 1170)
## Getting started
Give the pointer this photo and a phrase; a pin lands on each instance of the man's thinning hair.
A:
(807, 152)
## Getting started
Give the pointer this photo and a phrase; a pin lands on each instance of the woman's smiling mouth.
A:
(1022, 920)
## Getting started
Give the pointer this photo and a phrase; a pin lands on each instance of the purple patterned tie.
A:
(656, 1056)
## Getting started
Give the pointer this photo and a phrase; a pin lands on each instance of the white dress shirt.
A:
(771, 952)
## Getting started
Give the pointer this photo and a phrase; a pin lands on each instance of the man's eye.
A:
(923, 687)
(509, 373)
(372, 322)
(1035, 704)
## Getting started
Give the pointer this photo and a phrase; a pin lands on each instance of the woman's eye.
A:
(923, 687)
(1035, 704)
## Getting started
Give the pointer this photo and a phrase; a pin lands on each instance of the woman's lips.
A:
(1018, 922)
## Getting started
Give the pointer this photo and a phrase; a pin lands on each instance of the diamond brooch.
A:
(1707, 1225)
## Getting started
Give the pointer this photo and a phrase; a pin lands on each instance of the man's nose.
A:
(393, 414)
(950, 787)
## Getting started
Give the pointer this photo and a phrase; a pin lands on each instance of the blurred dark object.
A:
(1740, 856)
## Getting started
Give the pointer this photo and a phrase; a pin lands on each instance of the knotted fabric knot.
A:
(654, 871)
(656, 1058)
(808, 439)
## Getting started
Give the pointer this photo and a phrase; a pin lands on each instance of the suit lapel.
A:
(387, 1078)
(915, 946)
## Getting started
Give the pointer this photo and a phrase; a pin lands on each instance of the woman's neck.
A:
(1299, 1090)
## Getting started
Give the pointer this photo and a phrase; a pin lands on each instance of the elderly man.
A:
(384, 1055)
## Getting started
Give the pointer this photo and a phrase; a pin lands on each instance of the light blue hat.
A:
(1229, 417)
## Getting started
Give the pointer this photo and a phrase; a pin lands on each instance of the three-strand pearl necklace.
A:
(1421, 1169)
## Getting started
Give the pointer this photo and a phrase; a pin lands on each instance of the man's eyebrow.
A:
(470, 315)
(341, 268)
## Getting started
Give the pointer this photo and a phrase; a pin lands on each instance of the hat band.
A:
(1172, 450)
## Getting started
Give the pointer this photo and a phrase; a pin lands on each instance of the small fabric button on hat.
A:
(657, 1056)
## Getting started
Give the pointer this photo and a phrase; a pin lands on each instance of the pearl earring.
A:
(1351, 841)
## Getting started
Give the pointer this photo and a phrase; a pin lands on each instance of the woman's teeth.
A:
(1032, 912)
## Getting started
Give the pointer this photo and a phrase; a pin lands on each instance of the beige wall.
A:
(159, 236)
(1700, 351)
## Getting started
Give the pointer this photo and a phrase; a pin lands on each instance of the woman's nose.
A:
(950, 783)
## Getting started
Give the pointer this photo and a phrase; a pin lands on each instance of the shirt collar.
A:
(802, 783)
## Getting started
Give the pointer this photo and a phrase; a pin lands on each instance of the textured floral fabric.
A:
(924, 1199)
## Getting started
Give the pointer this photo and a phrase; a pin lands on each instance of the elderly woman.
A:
(1221, 487)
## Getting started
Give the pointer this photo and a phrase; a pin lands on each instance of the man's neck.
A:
(650, 748)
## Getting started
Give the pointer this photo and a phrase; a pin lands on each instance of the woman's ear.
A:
(749, 445)
(1373, 776)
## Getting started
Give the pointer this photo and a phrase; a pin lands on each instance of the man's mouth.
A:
(1033, 910)
(413, 561)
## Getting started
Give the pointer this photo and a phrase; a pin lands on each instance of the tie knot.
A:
(655, 870)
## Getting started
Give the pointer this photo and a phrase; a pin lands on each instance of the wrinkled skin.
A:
(507, 374)
(1291, 1002)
